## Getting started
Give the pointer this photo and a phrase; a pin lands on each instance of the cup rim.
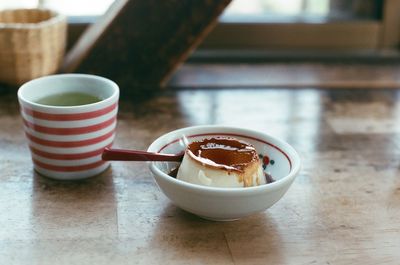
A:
(30, 103)
(278, 184)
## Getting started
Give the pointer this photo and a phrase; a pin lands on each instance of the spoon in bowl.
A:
(136, 155)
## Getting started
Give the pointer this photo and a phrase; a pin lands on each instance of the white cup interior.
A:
(50, 85)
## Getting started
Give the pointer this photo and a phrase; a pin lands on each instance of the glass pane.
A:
(238, 11)
(78, 7)
(9, 4)
(70, 7)
(301, 10)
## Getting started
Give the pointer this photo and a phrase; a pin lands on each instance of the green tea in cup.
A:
(68, 99)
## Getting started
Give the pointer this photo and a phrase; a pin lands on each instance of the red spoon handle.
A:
(135, 155)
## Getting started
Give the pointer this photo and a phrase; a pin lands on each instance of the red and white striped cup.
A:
(66, 142)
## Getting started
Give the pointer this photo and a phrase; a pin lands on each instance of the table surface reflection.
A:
(343, 208)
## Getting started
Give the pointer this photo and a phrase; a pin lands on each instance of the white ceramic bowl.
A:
(283, 163)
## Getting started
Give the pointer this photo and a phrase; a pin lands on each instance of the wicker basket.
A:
(32, 44)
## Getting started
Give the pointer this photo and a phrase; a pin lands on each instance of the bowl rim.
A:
(290, 152)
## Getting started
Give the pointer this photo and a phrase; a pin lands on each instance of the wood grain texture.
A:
(343, 208)
(390, 24)
(297, 74)
(142, 42)
(331, 36)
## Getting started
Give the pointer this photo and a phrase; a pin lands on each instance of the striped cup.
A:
(66, 142)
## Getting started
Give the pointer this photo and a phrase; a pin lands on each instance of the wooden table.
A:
(343, 208)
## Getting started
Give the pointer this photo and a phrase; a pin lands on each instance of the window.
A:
(71, 8)
(307, 24)
(270, 11)
(275, 26)
(76, 8)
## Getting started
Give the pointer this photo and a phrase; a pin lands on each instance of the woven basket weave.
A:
(32, 44)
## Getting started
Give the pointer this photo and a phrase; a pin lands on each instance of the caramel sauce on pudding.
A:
(221, 162)
(223, 153)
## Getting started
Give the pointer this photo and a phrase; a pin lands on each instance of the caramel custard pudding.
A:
(221, 162)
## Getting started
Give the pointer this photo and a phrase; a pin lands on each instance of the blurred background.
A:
(357, 34)
(255, 29)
